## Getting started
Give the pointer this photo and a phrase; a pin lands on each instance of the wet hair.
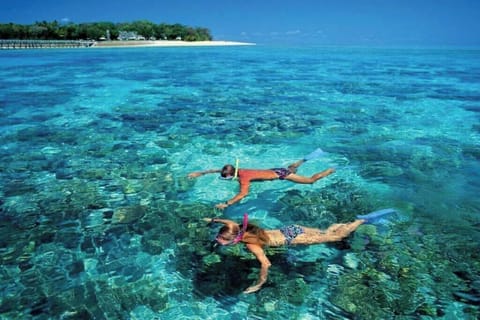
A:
(228, 171)
(254, 234)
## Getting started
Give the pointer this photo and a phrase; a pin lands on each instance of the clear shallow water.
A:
(99, 221)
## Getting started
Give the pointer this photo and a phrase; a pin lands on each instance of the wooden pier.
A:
(43, 44)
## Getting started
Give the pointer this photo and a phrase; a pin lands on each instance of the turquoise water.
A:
(99, 221)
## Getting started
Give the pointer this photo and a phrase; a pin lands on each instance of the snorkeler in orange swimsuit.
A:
(245, 176)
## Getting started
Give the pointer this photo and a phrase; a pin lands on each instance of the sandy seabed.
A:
(168, 43)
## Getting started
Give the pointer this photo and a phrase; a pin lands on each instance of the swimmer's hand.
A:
(194, 175)
(253, 288)
(330, 171)
(210, 221)
(222, 205)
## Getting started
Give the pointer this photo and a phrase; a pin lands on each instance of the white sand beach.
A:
(168, 43)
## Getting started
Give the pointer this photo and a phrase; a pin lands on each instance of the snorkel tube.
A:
(235, 176)
(239, 237)
(219, 239)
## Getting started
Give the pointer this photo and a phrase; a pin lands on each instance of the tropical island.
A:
(104, 34)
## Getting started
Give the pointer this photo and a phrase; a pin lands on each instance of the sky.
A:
(319, 22)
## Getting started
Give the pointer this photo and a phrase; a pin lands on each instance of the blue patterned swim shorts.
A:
(291, 232)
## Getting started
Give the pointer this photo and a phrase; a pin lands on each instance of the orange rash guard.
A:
(247, 175)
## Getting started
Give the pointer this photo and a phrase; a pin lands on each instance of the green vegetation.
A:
(102, 30)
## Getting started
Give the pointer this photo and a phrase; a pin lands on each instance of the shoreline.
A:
(166, 43)
(13, 44)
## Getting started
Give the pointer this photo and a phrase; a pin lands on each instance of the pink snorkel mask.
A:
(239, 237)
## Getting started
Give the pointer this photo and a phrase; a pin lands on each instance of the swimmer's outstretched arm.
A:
(201, 173)
(244, 187)
(217, 220)
(264, 265)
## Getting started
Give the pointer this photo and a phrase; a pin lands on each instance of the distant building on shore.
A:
(129, 35)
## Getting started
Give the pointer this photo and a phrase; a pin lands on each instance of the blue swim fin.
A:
(315, 154)
(377, 216)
